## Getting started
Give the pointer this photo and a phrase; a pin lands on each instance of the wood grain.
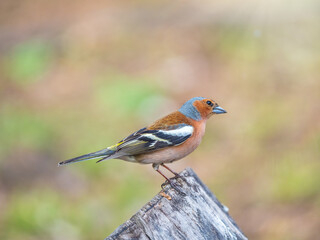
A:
(196, 215)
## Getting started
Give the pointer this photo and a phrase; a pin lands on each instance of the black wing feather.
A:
(144, 140)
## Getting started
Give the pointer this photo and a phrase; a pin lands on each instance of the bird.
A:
(168, 139)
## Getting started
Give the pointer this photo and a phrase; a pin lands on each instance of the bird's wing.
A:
(145, 140)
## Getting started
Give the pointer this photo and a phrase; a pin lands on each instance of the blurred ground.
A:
(77, 76)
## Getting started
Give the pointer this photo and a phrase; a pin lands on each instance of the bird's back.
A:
(169, 121)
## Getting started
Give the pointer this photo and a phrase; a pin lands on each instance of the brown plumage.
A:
(170, 120)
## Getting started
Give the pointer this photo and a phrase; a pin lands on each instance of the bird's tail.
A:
(103, 154)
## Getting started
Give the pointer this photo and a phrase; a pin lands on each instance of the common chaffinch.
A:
(165, 141)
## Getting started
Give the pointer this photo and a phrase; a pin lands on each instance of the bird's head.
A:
(199, 108)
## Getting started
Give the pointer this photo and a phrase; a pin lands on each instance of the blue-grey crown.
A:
(189, 110)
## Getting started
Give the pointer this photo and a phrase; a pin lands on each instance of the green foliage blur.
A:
(79, 76)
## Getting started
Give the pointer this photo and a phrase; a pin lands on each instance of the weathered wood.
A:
(196, 215)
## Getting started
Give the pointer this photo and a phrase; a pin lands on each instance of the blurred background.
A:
(78, 76)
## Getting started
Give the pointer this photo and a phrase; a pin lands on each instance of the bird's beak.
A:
(218, 110)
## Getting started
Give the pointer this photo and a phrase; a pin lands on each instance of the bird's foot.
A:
(174, 186)
(177, 176)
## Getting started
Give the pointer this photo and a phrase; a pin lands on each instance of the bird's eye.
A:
(209, 103)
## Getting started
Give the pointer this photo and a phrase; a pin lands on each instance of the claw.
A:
(168, 181)
(164, 184)
(174, 186)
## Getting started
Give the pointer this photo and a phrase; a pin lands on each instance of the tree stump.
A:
(197, 214)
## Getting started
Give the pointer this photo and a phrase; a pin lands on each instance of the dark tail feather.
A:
(105, 153)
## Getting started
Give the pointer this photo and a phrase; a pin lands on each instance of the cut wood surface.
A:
(197, 214)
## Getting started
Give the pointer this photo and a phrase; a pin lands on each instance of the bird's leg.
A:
(156, 167)
(168, 181)
(176, 175)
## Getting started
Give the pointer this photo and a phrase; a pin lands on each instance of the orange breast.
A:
(171, 154)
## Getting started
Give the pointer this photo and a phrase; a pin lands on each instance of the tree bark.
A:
(196, 214)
